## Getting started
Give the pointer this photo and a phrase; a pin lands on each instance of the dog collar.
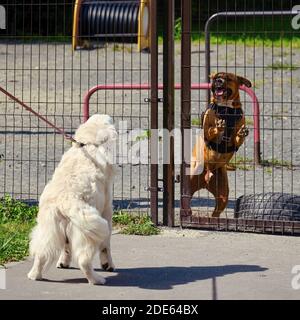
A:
(81, 145)
(228, 103)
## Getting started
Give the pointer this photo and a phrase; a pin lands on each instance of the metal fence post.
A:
(168, 114)
(154, 112)
(186, 14)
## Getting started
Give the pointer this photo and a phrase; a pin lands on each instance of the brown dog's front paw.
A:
(220, 124)
(243, 132)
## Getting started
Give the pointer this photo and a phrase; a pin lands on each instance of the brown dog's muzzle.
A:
(225, 86)
(221, 89)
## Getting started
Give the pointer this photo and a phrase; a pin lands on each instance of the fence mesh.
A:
(39, 67)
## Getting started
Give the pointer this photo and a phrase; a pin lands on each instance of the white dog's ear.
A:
(106, 134)
(86, 133)
(90, 133)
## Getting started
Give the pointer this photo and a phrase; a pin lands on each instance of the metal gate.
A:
(167, 88)
(256, 41)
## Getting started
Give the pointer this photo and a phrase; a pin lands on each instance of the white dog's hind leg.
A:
(88, 231)
(105, 256)
(106, 259)
(105, 251)
(65, 257)
(36, 271)
(47, 241)
(84, 250)
(85, 264)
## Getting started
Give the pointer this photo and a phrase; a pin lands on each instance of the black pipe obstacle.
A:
(104, 18)
(116, 21)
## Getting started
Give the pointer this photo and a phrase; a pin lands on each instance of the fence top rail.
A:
(247, 14)
(233, 14)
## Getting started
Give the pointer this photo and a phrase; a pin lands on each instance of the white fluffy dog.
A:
(75, 208)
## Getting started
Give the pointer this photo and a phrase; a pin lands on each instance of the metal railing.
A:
(195, 86)
(232, 14)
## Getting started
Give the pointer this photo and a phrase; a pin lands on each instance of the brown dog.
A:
(224, 129)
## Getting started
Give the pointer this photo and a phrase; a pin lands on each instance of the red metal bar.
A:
(195, 86)
(256, 124)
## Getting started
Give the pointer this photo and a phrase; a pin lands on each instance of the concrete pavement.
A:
(175, 265)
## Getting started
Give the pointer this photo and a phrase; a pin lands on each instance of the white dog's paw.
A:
(108, 267)
(61, 265)
(32, 275)
(106, 260)
(96, 280)
(63, 262)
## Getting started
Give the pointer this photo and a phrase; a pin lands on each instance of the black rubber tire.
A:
(268, 206)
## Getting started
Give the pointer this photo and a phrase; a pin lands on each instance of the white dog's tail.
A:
(48, 236)
(88, 221)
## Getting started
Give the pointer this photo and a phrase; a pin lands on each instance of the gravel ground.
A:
(53, 81)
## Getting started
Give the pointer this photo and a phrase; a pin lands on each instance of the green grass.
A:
(247, 164)
(242, 39)
(258, 31)
(283, 114)
(267, 32)
(12, 210)
(146, 134)
(121, 47)
(14, 241)
(39, 39)
(16, 221)
(177, 29)
(242, 163)
(196, 122)
(269, 170)
(282, 66)
(249, 121)
(258, 83)
(250, 41)
(134, 224)
(277, 163)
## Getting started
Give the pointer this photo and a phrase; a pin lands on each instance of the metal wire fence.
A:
(262, 47)
(39, 67)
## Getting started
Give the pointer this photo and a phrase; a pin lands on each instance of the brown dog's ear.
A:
(212, 75)
(244, 81)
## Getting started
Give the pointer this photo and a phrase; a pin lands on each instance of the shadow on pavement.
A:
(164, 278)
